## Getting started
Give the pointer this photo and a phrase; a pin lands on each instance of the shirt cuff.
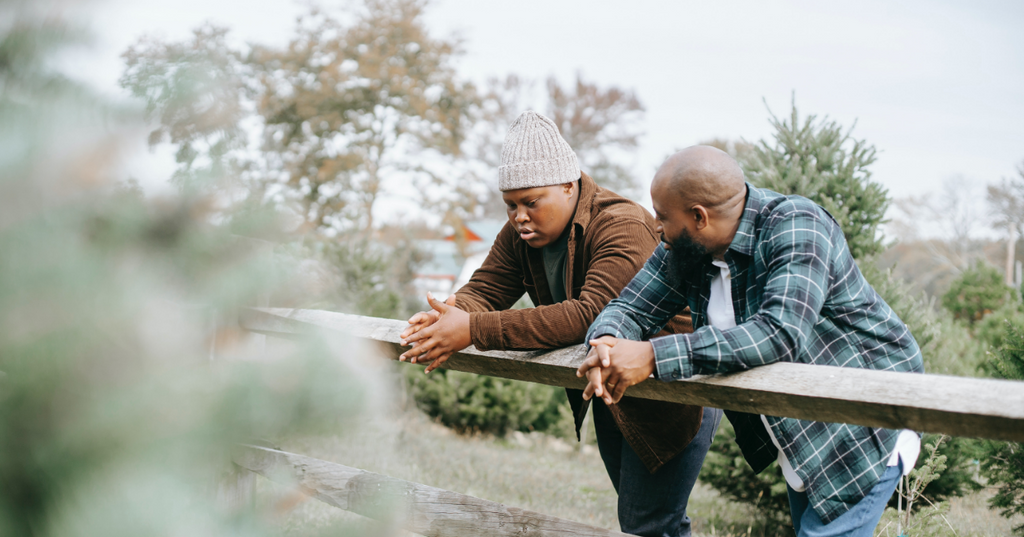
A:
(485, 331)
(672, 357)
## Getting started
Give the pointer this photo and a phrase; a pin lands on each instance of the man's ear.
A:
(568, 188)
(700, 216)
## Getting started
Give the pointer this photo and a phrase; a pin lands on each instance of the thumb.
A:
(451, 300)
(439, 306)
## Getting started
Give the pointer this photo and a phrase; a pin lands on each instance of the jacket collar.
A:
(744, 240)
(585, 203)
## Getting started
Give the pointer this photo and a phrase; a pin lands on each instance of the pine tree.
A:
(1003, 464)
(820, 161)
(977, 292)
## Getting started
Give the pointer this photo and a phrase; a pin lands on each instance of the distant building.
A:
(447, 268)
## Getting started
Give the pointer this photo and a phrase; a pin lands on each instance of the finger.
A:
(604, 340)
(411, 330)
(594, 384)
(605, 354)
(438, 306)
(612, 378)
(619, 390)
(419, 353)
(437, 362)
(451, 300)
(420, 317)
(611, 381)
(589, 363)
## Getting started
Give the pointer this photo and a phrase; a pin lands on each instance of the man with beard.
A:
(572, 246)
(767, 278)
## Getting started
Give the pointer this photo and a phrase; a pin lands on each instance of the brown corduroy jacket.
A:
(610, 239)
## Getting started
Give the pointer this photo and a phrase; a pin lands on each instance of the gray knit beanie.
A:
(535, 154)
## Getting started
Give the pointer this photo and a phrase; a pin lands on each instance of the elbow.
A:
(787, 340)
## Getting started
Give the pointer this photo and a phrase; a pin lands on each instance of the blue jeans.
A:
(860, 521)
(652, 505)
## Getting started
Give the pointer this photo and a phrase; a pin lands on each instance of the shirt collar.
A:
(743, 242)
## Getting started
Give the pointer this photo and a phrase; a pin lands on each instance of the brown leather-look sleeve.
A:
(618, 251)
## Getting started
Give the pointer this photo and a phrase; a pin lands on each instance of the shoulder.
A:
(777, 209)
(610, 208)
(793, 220)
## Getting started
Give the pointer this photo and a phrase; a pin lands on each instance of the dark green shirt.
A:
(554, 265)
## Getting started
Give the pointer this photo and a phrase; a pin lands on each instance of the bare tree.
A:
(1006, 201)
(945, 226)
(598, 123)
(347, 105)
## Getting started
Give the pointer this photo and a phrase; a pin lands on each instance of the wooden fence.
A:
(982, 408)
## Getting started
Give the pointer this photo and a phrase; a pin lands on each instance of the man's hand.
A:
(435, 340)
(620, 363)
(424, 319)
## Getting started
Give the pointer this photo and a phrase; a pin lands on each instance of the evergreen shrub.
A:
(472, 403)
(1003, 462)
(978, 291)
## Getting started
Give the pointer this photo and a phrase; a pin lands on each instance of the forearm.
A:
(759, 341)
(644, 306)
(544, 327)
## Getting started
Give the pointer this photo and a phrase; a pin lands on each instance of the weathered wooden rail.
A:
(418, 508)
(958, 406)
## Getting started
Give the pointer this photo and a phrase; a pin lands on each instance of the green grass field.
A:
(534, 471)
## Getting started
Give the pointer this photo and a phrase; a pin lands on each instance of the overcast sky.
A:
(937, 87)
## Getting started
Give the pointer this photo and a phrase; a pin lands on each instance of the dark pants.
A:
(652, 505)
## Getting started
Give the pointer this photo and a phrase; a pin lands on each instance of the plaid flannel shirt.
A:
(798, 296)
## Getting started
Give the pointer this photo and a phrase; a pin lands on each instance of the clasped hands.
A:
(614, 364)
(436, 334)
(611, 366)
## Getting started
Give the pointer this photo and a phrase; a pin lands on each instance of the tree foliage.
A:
(597, 122)
(341, 109)
(347, 105)
(1003, 463)
(480, 403)
(977, 292)
(195, 92)
(818, 160)
(727, 471)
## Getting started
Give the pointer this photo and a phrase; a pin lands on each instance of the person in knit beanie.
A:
(572, 246)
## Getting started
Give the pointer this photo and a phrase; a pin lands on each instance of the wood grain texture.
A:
(428, 511)
(959, 406)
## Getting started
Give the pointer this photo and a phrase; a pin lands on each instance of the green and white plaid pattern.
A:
(798, 296)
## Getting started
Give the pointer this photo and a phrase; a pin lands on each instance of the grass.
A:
(534, 471)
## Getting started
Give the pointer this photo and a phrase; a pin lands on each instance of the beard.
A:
(686, 259)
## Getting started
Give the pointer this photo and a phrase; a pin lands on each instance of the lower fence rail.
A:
(411, 506)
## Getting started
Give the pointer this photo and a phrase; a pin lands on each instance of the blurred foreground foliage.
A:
(124, 383)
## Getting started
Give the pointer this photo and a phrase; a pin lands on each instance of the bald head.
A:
(702, 175)
(698, 196)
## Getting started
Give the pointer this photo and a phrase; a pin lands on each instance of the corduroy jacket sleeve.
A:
(616, 248)
(498, 283)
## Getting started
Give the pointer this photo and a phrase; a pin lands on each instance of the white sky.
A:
(937, 87)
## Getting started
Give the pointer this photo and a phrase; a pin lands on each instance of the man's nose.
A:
(521, 216)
